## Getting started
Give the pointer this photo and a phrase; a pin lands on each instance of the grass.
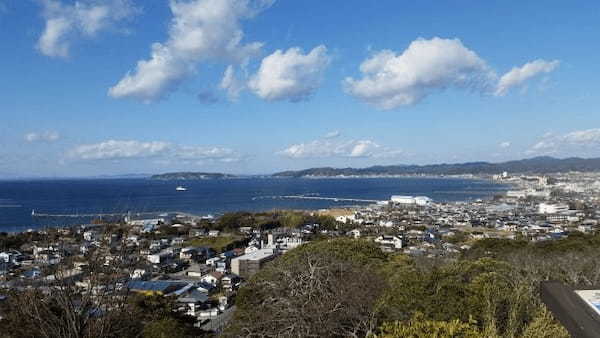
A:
(219, 244)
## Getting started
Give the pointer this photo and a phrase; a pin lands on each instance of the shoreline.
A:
(465, 195)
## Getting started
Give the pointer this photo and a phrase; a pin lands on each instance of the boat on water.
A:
(181, 188)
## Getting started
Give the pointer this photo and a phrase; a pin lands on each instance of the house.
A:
(214, 233)
(177, 241)
(228, 254)
(212, 278)
(389, 242)
(197, 270)
(10, 256)
(213, 261)
(90, 235)
(197, 232)
(221, 266)
(148, 228)
(251, 249)
(133, 239)
(155, 287)
(140, 274)
(159, 258)
(230, 282)
(32, 273)
(205, 287)
(477, 235)
(197, 254)
(194, 300)
(245, 230)
(354, 233)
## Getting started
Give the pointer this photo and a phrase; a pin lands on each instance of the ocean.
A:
(93, 196)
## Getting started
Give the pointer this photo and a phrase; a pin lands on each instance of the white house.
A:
(354, 233)
(158, 258)
(389, 241)
(212, 278)
(139, 274)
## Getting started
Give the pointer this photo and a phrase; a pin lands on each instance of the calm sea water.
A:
(19, 198)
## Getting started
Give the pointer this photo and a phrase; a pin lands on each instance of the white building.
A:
(158, 258)
(402, 199)
(547, 208)
(516, 193)
(247, 265)
(410, 200)
(422, 200)
(354, 233)
(389, 241)
(346, 218)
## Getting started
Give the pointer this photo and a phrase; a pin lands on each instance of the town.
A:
(201, 262)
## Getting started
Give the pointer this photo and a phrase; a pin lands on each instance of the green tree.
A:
(325, 289)
(164, 328)
(419, 327)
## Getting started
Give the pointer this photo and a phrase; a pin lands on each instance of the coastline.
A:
(218, 196)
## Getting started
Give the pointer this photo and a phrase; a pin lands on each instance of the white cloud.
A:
(199, 30)
(390, 80)
(164, 151)
(290, 75)
(44, 136)
(65, 23)
(332, 134)
(323, 148)
(232, 84)
(589, 137)
(518, 75)
(504, 144)
(579, 143)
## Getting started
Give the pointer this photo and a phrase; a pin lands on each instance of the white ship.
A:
(180, 188)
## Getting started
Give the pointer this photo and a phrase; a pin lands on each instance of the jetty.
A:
(335, 199)
(118, 214)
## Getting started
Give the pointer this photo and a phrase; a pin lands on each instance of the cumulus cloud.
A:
(518, 75)
(504, 144)
(323, 148)
(82, 19)
(44, 136)
(165, 151)
(290, 75)
(579, 142)
(199, 30)
(391, 80)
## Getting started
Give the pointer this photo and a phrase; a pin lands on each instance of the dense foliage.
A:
(542, 164)
(349, 287)
(269, 220)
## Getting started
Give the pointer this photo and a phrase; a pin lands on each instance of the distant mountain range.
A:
(542, 165)
(190, 176)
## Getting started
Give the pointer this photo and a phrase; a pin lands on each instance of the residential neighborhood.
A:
(201, 265)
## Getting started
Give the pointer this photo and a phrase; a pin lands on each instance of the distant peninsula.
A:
(190, 176)
(540, 165)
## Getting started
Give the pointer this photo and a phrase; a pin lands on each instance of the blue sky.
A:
(94, 87)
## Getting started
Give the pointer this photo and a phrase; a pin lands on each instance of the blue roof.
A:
(194, 296)
(154, 286)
